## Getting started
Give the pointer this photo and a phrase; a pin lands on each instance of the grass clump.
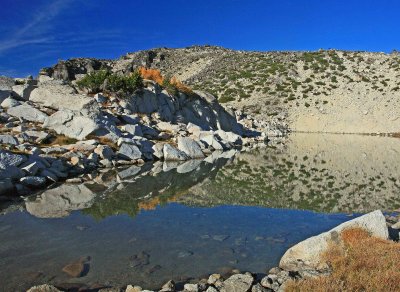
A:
(360, 263)
(59, 140)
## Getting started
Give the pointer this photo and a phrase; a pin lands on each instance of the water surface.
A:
(147, 225)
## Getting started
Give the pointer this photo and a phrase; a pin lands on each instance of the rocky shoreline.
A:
(303, 260)
(52, 131)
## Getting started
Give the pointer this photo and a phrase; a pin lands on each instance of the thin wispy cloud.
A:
(57, 29)
(34, 31)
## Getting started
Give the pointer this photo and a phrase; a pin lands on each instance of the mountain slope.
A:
(323, 91)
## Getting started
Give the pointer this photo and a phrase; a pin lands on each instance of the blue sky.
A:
(35, 34)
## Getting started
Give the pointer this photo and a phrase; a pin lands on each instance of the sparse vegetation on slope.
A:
(322, 91)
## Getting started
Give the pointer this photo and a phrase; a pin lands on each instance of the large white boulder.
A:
(129, 151)
(210, 139)
(190, 147)
(59, 96)
(307, 254)
(27, 112)
(71, 124)
(173, 154)
(229, 137)
(9, 102)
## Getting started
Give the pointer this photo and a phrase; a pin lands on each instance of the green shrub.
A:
(94, 81)
(124, 84)
(225, 98)
(104, 80)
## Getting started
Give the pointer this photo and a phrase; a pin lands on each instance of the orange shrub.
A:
(151, 74)
(362, 263)
(180, 86)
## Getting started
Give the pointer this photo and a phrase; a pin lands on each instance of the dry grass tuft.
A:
(151, 74)
(60, 140)
(180, 86)
(361, 263)
(104, 141)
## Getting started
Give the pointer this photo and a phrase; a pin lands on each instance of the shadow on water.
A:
(165, 221)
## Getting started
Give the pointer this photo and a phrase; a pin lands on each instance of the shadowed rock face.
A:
(59, 202)
(200, 109)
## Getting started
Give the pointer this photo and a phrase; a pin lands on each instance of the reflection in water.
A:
(163, 183)
(133, 233)
(60, 201)
(320, 172)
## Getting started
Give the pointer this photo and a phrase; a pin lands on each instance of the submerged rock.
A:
(78, 268)
(74, 270)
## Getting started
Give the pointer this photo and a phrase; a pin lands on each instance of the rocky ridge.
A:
(322, 91)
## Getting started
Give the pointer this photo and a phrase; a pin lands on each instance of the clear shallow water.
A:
(166, 223)
(181, 242)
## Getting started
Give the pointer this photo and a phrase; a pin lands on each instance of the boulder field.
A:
(52, 131)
